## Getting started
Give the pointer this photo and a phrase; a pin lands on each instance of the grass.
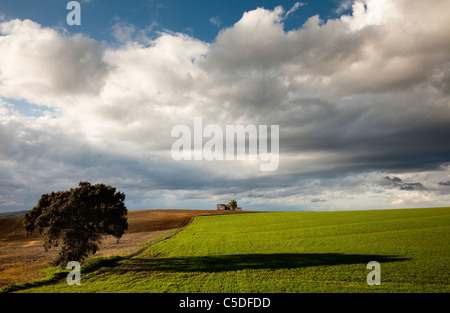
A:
(284, 252)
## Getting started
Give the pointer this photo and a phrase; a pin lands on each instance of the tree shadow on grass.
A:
(252, 261)
(211, 264)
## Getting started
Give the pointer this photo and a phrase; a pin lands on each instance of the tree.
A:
(233, 204)
(77, 219)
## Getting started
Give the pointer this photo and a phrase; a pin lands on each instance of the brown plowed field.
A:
(22, 257)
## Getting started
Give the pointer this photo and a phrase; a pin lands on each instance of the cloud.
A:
(413, 198)
(215, 20)
(41, 65)
(344, 5)
(294, 8)
(123, 32)
(357, 98)
(397, 182)
(353, 53)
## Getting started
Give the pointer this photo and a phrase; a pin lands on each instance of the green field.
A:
(285, 252)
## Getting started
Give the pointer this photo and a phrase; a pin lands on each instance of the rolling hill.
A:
(284, 252)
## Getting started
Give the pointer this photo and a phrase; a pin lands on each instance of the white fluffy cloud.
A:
(41, 64)
(367, 92)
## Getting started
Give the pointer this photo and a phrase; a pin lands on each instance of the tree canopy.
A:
(77, 219)
(233, 204)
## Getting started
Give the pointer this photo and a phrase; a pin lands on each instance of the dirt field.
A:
(22, 257)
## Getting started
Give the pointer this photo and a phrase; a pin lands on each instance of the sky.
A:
(360, 91)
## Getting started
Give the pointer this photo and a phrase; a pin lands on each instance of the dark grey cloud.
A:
(398, 183)
(369, 137)
(318, 200)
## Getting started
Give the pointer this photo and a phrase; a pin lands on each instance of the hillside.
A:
(22, 257)
(15, 214)
(286, 252)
